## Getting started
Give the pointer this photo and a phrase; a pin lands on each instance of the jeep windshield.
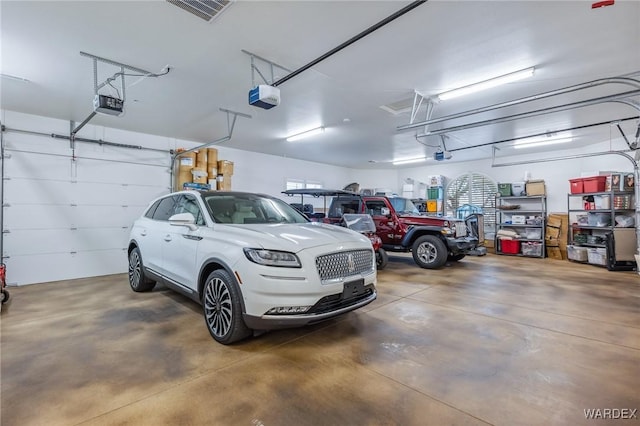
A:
(403, 206)
(243, 208)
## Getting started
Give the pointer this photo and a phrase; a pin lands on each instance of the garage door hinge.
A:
(73, 229)
(73, 252)
(6, 205)
(6, 178)
(7, 156)
(6, 231)
(125, 206)
(73, 205)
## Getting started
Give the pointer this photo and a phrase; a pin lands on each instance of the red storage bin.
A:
(594, 184)
(510, 246)
(577, 186)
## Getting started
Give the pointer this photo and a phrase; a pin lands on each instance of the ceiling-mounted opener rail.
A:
(106, 104)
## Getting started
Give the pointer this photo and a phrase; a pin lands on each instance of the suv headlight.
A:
(272, 258)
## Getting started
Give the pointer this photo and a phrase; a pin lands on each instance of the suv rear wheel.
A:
(222, 308)
(429, 252)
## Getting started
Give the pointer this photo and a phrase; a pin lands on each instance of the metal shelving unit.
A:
(596, 218)
(529, 206)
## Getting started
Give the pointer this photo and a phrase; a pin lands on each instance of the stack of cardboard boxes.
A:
(556, 234)
(202, 170)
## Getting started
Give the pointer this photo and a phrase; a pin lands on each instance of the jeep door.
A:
(385, 226)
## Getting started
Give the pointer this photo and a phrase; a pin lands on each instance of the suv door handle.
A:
(143, 232)
(167, 237)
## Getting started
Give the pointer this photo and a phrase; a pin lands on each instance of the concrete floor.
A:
(491, 340)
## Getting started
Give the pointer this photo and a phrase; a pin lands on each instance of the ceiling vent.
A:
(400, 107)
(204, 9)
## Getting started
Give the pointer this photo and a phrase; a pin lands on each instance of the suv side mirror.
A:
(184, 219)
(385, 211)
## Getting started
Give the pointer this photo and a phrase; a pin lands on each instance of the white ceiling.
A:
(437, 46)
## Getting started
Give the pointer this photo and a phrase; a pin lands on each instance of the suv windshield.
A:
(250, 208)
(403, 205)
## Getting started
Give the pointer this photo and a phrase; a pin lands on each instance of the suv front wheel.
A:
(429, 252)
(222, 308)
(137, 278)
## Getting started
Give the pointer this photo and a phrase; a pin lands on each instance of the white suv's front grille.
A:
(336, 266)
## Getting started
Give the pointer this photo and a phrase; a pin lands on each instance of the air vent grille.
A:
(400, 107)
(203, 9)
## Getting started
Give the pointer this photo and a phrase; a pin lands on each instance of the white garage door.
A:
(67, 217)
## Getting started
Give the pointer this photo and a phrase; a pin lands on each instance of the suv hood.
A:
(291, 237)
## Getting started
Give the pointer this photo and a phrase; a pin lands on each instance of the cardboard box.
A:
(535, 187)
(225, 167)
(554, 253)
(223, 183)
(552, 232)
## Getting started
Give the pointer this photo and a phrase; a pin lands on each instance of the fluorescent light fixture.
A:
(409, 160)
(486, 84)
(305, 134)
(14, 78)
(539, 142)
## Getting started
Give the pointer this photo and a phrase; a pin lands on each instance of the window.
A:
(302, 184)
(165, 209)
(152, 209)
(188, 204)
(474, 189)
(374, 207)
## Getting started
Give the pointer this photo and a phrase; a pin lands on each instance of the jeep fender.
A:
(416, 231)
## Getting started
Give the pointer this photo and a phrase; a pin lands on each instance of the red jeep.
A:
(432, 240)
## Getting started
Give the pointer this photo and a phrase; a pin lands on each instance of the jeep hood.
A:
(293, 237)
(414, 219)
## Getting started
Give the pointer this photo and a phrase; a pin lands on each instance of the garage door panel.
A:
(38, 166)
(23, 242)
(41, 268)
(124, 173)
(67, 216)
(30, 191)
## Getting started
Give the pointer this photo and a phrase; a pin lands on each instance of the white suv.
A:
(251, 260)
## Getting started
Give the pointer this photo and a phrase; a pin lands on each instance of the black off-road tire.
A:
(429, 252)
(4, 296)
(222, 308)
(382, 258)
(138, 280)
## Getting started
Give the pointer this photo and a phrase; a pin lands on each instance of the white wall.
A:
(556, 174)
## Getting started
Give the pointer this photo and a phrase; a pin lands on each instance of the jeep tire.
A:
(429, 252)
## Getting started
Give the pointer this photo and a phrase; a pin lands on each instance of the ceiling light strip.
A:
(409, 161)
(486, 84)
(305, 134)
(533, 144)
